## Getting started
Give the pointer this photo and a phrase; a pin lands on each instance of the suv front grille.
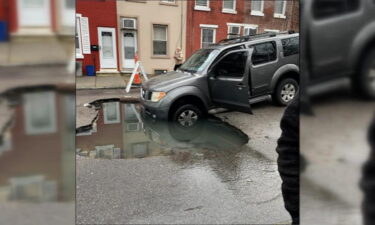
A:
(146, 95)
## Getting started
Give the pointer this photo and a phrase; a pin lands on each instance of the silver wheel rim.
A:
(187, 118)
(288, 92)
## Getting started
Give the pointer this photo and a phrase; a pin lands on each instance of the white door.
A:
(107, 47)
(34, 13)
(129, 43)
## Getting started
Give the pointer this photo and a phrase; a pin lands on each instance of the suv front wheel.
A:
(286, 90)
(187, 115)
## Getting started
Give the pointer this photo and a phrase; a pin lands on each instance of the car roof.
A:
(251, 39)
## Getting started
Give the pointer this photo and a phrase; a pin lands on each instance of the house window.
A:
(208, 35)
(111, 112)
(250, 30)
(160, 39)
(234, 31)
(257, 7)
(229, 6)
(40, 112)
(264, 53)
(280, 7)
(202, 5)
(78, 39)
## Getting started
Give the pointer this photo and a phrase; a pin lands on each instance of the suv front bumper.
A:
(155, 110)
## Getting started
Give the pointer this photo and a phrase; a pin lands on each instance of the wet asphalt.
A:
(225, 173)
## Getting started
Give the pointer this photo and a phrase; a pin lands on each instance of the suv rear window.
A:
(331, 8)
(290, 46)
(263, 53)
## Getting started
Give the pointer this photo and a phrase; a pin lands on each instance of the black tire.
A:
(362, 82)
(187, 111)
(281, 98)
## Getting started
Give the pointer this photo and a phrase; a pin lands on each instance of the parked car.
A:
(339, 37)
(233, 74)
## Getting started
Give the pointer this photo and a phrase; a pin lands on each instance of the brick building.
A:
(273, 15)
(96, 25)
(43, 17)
(209, 21)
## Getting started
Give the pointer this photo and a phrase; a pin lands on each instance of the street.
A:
(224, 171)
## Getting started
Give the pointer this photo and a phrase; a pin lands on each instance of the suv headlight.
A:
(157, 96)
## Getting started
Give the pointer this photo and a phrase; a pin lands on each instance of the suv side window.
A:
(232, 65)
(324, 9)
(263, 53)
(290, 46)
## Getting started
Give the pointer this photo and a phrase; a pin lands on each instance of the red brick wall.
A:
(33, 154)
(107, 134)
(269, 22)
(101, 13)
(215, 16)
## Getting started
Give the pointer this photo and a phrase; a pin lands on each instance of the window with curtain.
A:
(257, 5)
(208, 37)
(160, 39)
(203, 3)
(229, 5)
(280, 7)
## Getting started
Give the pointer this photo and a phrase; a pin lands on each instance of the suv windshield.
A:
(199, 60)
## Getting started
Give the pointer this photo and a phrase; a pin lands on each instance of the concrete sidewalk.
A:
(100, 82)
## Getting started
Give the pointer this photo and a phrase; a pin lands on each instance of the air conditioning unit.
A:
(128, 23)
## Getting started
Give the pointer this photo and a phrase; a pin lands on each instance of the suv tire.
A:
(363, 81)
(285, 91)
(187, 115)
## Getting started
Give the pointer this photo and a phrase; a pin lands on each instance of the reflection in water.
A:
(37, 152)
(120, 131)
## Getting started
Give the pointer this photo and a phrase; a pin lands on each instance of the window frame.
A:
(229, 28)
(166, 41)
(208, 26)
(51, 103)
(202, 8)
(254, 27)
(105, 114)
(257, 12)
(232, 10)
(280, 15)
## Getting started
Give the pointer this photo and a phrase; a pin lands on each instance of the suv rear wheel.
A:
(364, 81)
(187, 115)
(286, 90)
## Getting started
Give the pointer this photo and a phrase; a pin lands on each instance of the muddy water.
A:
(131, 169)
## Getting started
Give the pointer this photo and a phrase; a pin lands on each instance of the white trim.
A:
(105, 115)
(232, 10)
(253, 26)
(256, 13)
(272, 30)
(168, 1)
(209, 26)
(48, 103)
(202, 8)
(213, 35)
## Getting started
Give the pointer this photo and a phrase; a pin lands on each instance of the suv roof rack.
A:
(246, 38)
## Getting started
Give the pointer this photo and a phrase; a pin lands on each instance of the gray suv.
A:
(233, 74)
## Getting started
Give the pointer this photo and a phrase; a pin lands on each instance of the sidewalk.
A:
(100, 82)
(41, 51)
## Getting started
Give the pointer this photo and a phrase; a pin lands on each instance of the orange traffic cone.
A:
(137, 79)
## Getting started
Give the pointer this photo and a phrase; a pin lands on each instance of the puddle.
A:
(120, 131)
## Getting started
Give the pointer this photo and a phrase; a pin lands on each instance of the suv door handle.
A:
(241, 85)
